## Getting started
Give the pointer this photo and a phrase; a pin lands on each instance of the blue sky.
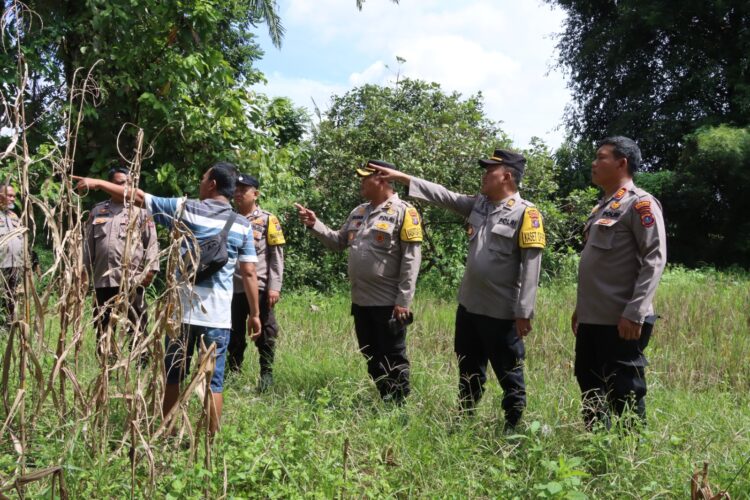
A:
(503, 48)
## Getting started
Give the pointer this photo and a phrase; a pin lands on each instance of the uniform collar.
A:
(387, 203)
(620, 193)
(507, 203)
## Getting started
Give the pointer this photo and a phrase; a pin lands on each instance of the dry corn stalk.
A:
(700, 489)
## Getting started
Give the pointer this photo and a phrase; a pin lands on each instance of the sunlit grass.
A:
(322, 431)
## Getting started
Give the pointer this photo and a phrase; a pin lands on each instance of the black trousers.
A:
(266, 343)
(9, 277)
(137, 312)
(480, 339)
(384, 350)
(610, 372)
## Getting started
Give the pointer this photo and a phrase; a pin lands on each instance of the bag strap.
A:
(228, 225)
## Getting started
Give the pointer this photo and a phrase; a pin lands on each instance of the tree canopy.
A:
(654, 70)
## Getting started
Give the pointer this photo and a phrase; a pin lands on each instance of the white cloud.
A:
(501, 48)
(302, 91)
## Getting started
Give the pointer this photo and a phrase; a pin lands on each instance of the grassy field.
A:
(322, 431)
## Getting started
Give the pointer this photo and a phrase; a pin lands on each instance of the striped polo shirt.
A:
(209, 302)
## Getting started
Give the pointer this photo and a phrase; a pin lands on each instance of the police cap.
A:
(506, 158)
(248, 180)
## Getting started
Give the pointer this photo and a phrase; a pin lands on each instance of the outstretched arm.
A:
(117, 192)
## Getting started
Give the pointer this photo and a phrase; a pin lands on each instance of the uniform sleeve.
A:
(275, 267)
(531, 240)
(411, 258)
(247, 249)
(331, 239)
(647, 223)
(531, 266)
(89, 250)
(163, 210)
(150, 244)
(438, 195)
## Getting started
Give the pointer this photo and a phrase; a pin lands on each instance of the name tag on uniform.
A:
(606, 222)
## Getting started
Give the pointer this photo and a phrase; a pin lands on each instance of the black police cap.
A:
(248, 180)
(505, 158)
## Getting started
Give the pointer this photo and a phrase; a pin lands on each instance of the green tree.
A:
(426, 132)
(179, 70)
(655, 71)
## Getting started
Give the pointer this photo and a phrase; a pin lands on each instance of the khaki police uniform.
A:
(384, 245)
(11, 259)
(499, 285)
(269, 241)
(621, 264)
(103, 253)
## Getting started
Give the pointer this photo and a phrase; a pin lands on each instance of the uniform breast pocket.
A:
(601, 237)
(382, 236)
(501, 239)
(100, 230)
(475, 222)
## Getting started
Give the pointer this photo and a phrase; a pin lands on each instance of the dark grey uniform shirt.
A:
(269, 246)
(384, 251)
(623, 258)
(501, 277)
(104, 247)
(11, 247)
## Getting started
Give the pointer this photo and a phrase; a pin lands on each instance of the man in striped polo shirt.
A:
(206, 307)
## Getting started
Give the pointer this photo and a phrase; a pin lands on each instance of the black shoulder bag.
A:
(213, 252)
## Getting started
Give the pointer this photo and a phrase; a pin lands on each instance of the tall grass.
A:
(322, 431)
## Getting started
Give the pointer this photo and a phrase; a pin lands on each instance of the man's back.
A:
(209, 301)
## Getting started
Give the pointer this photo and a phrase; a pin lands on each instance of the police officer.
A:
(384, 239)
(103, 251)
(11, 251)
(621, 264)
(269, 246)
(498, 291)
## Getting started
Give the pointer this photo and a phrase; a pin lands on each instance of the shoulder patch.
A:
(411, 229)
(275, 235)
(532, 230)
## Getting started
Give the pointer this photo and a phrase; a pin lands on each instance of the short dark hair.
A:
(515, 175)
(624, 147)
(225, 175)
(117, 170)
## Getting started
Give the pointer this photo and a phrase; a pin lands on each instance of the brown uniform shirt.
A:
(103, 250)
(269, 247)
(505, 250)
(11, 248)
(384, 244)
(623, 258)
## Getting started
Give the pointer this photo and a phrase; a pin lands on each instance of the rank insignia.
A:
(615, 205)
(510, 203)
(390, 211)
(619, 194)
